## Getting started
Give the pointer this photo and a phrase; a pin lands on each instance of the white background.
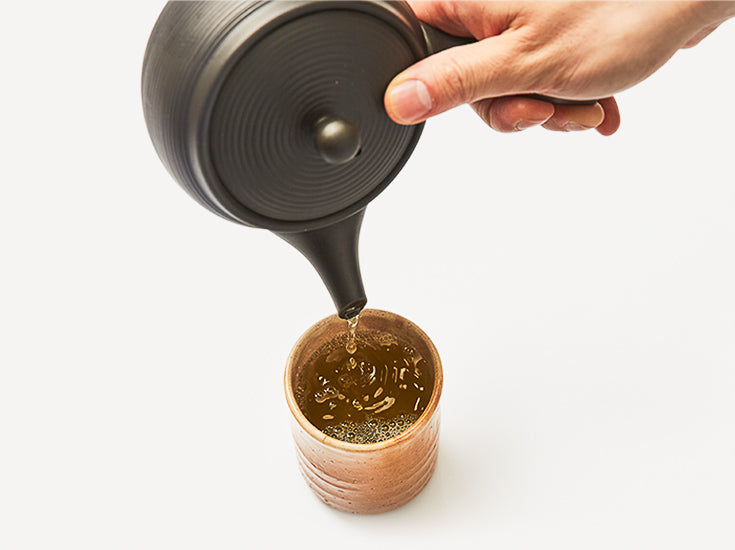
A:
(579, 289)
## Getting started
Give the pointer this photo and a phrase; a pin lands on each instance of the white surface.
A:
(579, 289)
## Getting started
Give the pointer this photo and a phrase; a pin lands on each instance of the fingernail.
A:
(410, 101)
(526, 124)
(575, 127)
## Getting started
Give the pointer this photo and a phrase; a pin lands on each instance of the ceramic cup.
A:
(366, 478)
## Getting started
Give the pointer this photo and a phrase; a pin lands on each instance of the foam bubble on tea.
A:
(364, 386)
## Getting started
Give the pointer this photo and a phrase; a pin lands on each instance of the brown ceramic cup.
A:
(366, 478)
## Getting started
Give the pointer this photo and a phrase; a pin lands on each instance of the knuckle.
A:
(456, 82)
(484, 111)
(487, 110)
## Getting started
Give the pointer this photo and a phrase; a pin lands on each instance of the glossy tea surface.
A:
(364, 386)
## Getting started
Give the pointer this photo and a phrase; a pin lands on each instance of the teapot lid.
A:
(271, 114)
(285, 128)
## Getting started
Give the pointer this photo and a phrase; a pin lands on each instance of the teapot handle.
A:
(438, 41)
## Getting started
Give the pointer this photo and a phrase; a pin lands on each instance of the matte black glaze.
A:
(333, 251)
(337, 140)
(232, 102)
(236, 94)
(270, 114)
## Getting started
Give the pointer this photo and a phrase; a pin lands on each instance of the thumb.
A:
(453, 77)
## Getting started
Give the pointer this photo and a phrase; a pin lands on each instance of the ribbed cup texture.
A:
(369, 481)
(365, 478)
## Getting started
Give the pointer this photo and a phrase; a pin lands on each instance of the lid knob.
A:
(338, 141)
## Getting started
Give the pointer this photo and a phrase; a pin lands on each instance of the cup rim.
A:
(323, 438)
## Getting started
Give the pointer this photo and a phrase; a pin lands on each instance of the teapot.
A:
(271, 115)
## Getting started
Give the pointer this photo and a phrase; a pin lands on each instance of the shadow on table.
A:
(462, 489)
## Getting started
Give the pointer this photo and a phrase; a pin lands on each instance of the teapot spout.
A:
(333, 251)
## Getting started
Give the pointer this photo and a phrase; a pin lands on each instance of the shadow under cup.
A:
(366, 478)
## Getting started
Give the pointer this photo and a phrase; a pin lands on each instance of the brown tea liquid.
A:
(364, 386)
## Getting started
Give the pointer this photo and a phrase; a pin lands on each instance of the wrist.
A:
(706, 13)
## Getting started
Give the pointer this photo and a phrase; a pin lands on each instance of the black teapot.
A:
(270, 114)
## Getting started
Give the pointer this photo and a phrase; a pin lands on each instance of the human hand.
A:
(570, 50)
